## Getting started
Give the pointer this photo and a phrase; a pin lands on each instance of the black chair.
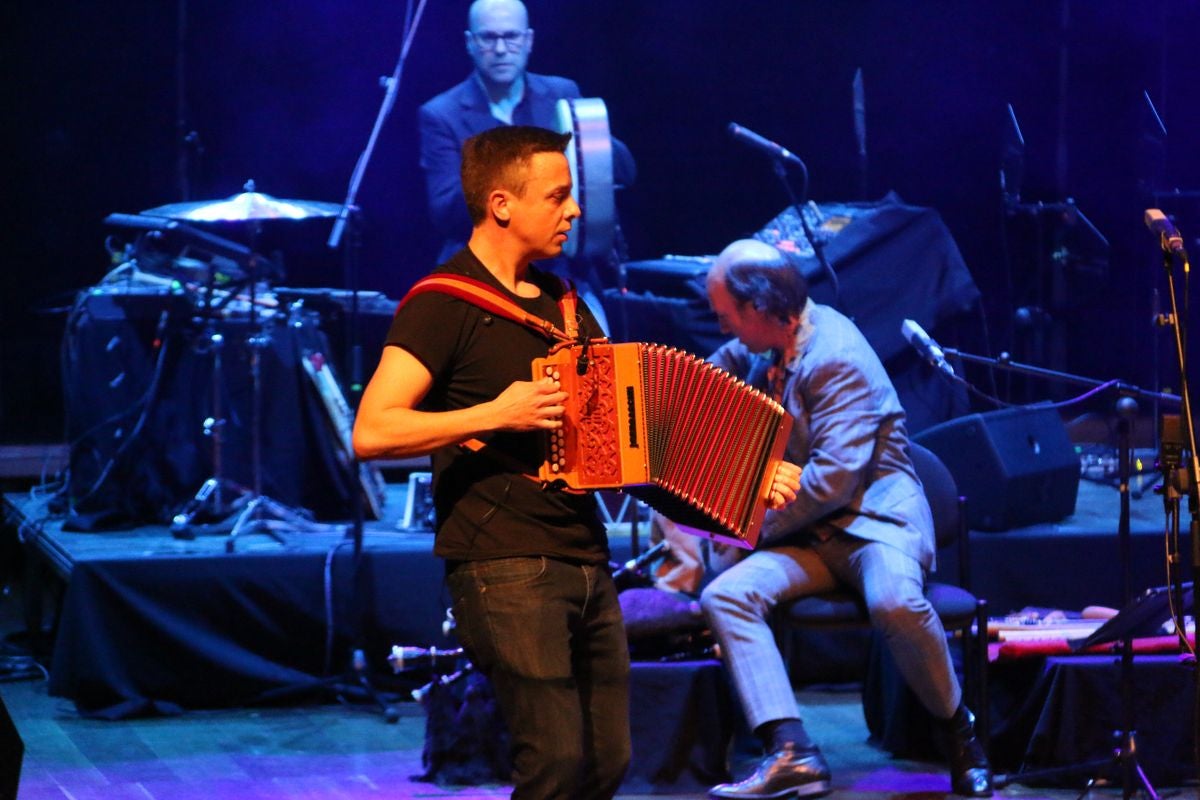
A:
(961, 612)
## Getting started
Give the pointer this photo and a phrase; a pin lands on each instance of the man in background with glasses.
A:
(498, 92)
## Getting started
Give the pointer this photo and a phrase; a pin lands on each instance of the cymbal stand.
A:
(263, 514)
(218, 497)
(817, 244)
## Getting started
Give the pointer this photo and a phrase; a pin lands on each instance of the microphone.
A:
(1158, 222)
(775, 151)
(916, 336)
(631, 572)
(634, 564)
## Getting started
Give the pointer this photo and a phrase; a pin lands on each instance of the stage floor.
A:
(349, 753)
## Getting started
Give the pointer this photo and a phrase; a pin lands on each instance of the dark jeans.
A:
(549, 636)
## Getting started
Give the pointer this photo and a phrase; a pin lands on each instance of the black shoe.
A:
(970, 772)
(785, 773)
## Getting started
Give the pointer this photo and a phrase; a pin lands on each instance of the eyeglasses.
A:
(487, 40)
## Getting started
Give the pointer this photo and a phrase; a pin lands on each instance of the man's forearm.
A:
(406, 432)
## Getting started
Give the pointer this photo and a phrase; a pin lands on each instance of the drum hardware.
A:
(258, 513)
(218, 497)
(160, 226)
(249, 206)
(263, 514)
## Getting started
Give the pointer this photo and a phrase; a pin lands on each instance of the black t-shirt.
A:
(485, 509)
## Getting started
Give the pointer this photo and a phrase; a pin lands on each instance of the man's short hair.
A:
(771, 284)
(498, 159)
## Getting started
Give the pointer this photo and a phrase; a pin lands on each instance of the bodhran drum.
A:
(590, 157)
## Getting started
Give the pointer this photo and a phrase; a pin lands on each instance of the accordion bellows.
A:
(688, 438)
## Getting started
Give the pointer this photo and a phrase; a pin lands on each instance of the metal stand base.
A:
(1124, 762)
(354, 683)
(270, 517)
(211, 502)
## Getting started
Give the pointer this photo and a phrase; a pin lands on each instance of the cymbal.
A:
(244, 207)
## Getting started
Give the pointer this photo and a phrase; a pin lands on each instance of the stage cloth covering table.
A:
(138, 382)
(1058, 711)
(893, 261)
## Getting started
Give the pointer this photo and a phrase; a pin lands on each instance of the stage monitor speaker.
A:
(1016, 467)
(12, 750)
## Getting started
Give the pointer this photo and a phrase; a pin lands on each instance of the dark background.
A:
(286, 94)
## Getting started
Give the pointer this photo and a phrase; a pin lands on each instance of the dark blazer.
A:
(457, 114)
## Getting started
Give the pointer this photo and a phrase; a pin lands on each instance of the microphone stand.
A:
(1125, 754)
(1005, 362)
(1189, 475)
(347, 218)
(817, 245)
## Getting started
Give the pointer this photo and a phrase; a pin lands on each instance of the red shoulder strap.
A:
(486, 297)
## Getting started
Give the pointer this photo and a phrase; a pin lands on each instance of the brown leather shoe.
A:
(784, 774)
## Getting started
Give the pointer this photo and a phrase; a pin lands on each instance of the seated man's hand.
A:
(784, 485)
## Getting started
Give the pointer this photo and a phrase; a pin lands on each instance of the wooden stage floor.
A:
(334, 752)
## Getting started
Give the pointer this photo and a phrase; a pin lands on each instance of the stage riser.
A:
(1056, 570)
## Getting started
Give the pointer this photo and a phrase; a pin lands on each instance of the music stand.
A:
(1143, 617)
(1126, 409)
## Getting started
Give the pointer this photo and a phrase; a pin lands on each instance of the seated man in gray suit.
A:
(498, 92)
(860, 520)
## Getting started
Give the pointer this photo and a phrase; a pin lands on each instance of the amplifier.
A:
(1016, 467)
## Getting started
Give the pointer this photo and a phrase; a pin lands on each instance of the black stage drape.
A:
(138, 376)
(893, 262)
(210, 631)
(1054, 711)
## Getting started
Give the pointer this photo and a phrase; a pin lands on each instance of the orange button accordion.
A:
(686, 437)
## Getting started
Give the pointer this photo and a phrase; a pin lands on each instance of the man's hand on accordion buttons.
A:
(784, 486)
(530, 406)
